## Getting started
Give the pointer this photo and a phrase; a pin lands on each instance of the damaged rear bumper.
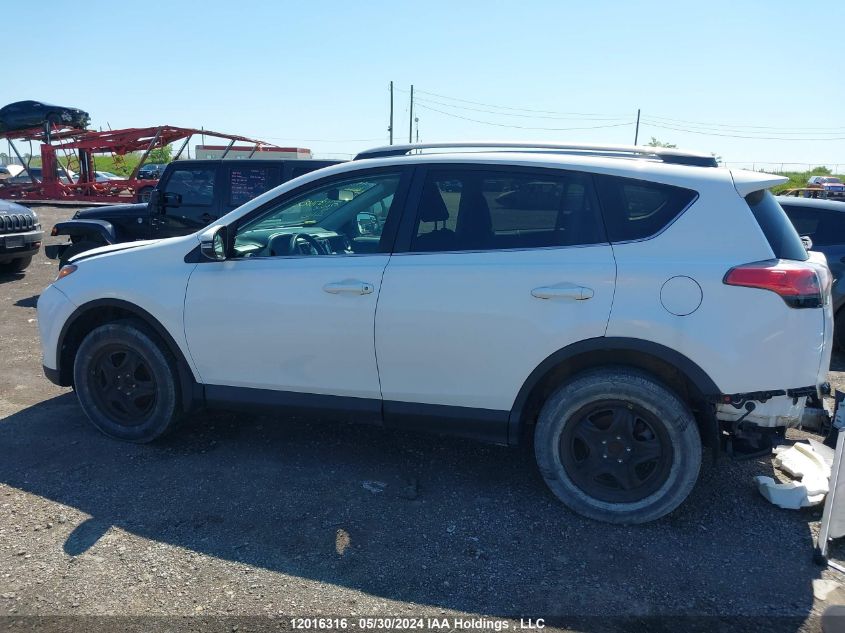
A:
(770, 409)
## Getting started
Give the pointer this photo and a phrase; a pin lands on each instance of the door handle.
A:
(206, 217)
(348, 287)
(563, 291)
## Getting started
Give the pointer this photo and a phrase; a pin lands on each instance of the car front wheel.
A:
(616, 445)
(126, 382)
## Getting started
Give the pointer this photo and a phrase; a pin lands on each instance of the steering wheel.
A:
(290, 248)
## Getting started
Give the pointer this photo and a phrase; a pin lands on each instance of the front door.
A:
(503, 267)
(197, 205)
(289, 317)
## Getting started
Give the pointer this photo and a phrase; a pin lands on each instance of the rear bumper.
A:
(771, 409)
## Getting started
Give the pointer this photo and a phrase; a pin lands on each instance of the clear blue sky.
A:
(290, 71)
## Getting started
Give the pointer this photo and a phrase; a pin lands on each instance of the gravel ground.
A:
(240, 516)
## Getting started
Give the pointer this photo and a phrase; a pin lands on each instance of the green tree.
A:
(654, 142)
(161, 155)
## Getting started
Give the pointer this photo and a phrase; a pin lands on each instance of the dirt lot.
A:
(254, 516)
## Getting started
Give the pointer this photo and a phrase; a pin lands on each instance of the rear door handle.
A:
(348, 287)
(563, 291)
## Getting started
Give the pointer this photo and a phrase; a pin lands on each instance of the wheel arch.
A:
(674, 369)
(101, 311)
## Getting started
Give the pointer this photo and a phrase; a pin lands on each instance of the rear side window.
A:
(638, 209)
(776, 226)
(246, 184)
(825, 227)
(480, 209)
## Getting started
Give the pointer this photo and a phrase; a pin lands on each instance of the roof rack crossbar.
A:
(667, 155)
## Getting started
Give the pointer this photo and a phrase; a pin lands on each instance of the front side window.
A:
(346, 216)
(196, 186)
(462, 210)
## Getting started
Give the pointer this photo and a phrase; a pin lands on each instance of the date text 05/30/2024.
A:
(419, 624)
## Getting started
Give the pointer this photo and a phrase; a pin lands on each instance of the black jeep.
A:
(189, 195)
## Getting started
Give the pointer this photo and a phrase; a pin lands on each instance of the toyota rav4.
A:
(621, 307)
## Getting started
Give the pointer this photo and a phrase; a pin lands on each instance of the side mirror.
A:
(213, 244)
(368, 223)
(808, 243)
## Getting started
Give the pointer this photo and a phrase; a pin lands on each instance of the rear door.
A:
(502, 267)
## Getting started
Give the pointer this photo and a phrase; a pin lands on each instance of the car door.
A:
(289, 317)
(502, 267)
(194, 188)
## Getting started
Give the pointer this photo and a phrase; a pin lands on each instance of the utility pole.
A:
(411, 119)
(390, 127)
(637, 131)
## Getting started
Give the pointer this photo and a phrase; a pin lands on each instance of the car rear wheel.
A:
(616, 445)
(126, 382)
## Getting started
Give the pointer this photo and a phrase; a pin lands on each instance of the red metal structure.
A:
(81, 145)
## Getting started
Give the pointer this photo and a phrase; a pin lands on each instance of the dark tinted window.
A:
(486, 210)
(825, 227)
(637, 209)
(246, 184)
(776, 226)
(196, 186)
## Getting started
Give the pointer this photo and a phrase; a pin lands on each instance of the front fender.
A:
(98, 231)
(101, 230)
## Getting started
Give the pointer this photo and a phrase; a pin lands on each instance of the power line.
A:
(726, 128)
(521, 127)
(759, 138)
(498, 107)
(417, 99)
(722, 129)
(802, 130)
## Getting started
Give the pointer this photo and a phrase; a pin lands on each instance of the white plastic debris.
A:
(790, 496)
(802, 460)
(805, 463)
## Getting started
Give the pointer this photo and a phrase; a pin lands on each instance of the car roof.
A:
(810, 203)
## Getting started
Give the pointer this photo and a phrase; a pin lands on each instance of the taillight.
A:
(799, 284)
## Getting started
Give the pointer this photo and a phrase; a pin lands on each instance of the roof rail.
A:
(667, 155)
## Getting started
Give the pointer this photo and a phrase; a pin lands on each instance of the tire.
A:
(126, 382)
(616, 445)
(75, 249)
(16, 265)
(144, 194)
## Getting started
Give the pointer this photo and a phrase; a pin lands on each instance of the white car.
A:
(621, 306)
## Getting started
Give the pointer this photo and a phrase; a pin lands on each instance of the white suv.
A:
(622, 306)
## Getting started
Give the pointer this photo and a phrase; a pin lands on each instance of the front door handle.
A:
(563, 291)
(348, 287)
